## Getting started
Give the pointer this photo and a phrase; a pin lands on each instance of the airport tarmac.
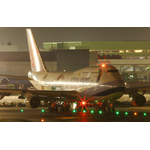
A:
(24, 114)
(14, 114)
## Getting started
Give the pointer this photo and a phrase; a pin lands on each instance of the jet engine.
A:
(138, 100)
(2, 96)
(32, 102)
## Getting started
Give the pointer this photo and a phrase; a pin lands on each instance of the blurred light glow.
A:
(100, 112)
(92, 111)
(84, 111)
(83, 103)
(103, 65)
(42, 110)
(74, 110)
(74, 105)
(138, 51)
(117, 112)
(42, 120)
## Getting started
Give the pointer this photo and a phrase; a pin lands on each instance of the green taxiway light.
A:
(126, 113)
(21, 110)
(96, 101)
(92, 111)
(75, 102)
(42, 110)
(145, 114)
(117, 112)
(74, 110)
(84, 111)
(100, 112)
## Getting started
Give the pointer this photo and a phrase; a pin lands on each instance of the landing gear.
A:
(53, 109)
(103, 107)
(110, 109)
(113, 109)
(65, 107)
(79, 109)
(49, 109)
(107, 107)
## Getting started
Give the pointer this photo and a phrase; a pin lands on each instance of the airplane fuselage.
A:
(87, 81)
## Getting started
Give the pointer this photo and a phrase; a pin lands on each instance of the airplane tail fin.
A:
(35, 56)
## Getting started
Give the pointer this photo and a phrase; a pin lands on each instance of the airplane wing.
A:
(16, 77)
(67, 94)
(137, 89)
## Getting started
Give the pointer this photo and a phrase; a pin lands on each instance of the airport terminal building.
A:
(131, 58)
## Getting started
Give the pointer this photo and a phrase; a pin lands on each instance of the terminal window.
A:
(114, 51)
(135, 51)
(99, 51)
(135, 57)
(148, 50)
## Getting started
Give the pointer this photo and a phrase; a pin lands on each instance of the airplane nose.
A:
(120, 83)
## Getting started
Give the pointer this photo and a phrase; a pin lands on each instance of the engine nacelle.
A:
(2, 96)
(138, 100)
(32, 102)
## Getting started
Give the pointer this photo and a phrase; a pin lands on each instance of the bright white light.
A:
(138, 51)
(72, 47)
(74, 105)
(121, 51)
(83, 103)
(103, 65)
(131, 76)
(131, 99)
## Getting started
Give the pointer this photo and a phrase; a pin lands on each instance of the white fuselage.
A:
(84, 81)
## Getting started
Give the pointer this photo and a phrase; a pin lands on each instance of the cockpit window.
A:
(112, 71)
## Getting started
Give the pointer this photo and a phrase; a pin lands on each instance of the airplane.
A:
(102, 84)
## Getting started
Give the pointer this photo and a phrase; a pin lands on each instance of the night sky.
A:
(17, 35)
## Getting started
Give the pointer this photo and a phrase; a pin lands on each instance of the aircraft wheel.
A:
(61, 108)
(100, 108)
(108, 109)
(49, 109)
(103, 108)
(79, 109)
(113, 109)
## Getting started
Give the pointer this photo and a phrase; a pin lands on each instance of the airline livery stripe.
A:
(110, 91)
